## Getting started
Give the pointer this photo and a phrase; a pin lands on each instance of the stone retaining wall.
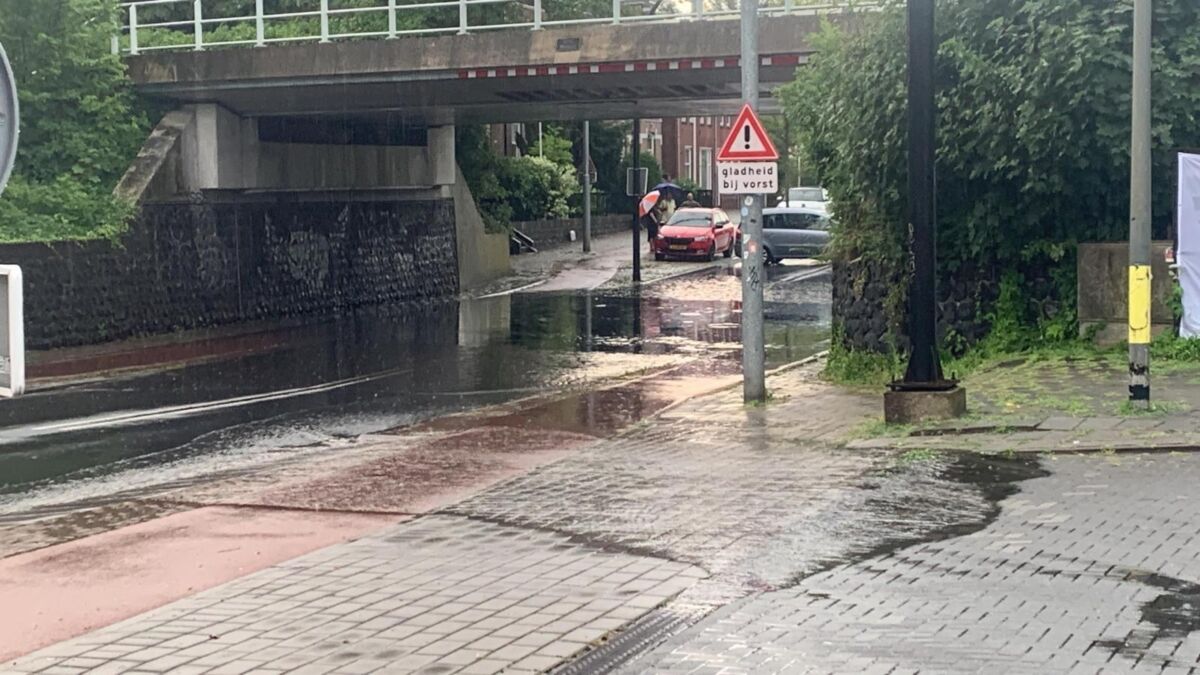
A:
(222, 258)
(555, 231)
(861, 291)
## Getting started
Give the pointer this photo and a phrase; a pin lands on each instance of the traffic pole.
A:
(754, 378)
(636, 147)
(587, 187)
(1140, 209)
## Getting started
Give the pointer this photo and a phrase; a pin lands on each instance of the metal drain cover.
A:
(639, 638)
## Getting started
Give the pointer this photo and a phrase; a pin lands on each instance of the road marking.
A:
(512, 291)
(188, 410)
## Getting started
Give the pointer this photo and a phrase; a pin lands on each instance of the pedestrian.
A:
(666, 205)
(690, 202)
(651, 223)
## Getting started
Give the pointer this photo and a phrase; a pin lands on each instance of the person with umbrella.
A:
(671, 194)
(649, 213)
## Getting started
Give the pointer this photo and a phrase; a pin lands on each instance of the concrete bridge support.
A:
(222, 151)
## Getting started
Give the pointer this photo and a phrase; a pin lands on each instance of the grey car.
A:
(790, 232)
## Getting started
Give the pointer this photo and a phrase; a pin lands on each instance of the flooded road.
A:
(308, 389)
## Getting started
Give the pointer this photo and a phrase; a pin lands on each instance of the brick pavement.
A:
(755, 496)
(788, 552)
(1092, 569)
(440, 594)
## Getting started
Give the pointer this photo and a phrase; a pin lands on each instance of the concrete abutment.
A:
(232, 227)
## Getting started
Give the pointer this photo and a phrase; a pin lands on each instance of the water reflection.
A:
(363, 373)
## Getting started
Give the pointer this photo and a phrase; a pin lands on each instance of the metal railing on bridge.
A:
(154, 25)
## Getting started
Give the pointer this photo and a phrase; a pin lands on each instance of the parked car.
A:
(814, 198)
(696, 233)
(790, 232)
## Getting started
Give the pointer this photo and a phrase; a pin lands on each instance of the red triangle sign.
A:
(748, 141)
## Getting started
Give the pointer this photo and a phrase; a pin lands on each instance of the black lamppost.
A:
(924, 393)
(924, 366)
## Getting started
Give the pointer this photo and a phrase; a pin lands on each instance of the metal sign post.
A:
(9, 120)
(12, 313)
(748, 143)
(1139, 209)
(636, 184)
(12, 332)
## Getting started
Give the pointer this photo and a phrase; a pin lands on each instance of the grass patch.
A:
(1154, 409)
(877, 428)
(919, 455)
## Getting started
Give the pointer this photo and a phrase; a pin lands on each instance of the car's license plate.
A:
(678, 247)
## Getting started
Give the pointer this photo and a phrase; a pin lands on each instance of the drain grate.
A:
(639, 638)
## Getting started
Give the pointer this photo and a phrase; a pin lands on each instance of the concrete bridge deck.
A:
(577, 72)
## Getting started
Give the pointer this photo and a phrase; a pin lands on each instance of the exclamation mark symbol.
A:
(746, 135)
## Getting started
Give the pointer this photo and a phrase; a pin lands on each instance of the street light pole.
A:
(754, 378)
(1139, 208)
(587, 187)
(924, 365)
(636, 163)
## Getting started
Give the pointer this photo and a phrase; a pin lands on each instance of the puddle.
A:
(1173, 615)
(307, 387)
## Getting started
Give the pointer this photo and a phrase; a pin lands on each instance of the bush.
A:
(81, 124)
(1033, 133)
(509, 189)
(61, 209)
(536, 187)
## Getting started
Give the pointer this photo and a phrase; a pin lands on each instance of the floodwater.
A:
(308, 389)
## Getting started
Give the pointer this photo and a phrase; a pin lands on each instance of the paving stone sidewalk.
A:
(1094, 568)
(776, 547)
(604, 536)
(440, 594)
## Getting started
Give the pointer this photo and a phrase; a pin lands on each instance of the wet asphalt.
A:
(377, 370)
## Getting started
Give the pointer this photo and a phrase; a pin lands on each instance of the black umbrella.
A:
(671, 190)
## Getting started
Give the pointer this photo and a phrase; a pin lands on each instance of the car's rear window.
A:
(806, 195)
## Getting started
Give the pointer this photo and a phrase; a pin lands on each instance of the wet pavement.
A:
(305, 391)
(719, 538)
(1082, 569)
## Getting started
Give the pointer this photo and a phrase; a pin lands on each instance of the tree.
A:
(79, 115)
(80, 121)
(1033, 129)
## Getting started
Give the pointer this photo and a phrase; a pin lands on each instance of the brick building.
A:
(689, 149)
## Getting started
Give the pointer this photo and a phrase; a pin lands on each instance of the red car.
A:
(697, 233)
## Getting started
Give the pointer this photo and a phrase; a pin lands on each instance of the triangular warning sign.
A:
(748, 141)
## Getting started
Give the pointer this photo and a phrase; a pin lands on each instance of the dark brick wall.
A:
(225, 258)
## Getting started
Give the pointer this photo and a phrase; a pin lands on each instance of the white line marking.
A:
(175, 412)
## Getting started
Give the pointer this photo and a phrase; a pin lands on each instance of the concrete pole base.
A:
(914, 407)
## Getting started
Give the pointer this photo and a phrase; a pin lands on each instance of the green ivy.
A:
(80, 122)
(1033, 139)
(510, 189)
(61, 209)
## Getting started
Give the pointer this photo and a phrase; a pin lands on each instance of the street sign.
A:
(12, 332)
(8, 119)
(637, 181)
(1188, 238)
(748, 141)
(748, 178)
